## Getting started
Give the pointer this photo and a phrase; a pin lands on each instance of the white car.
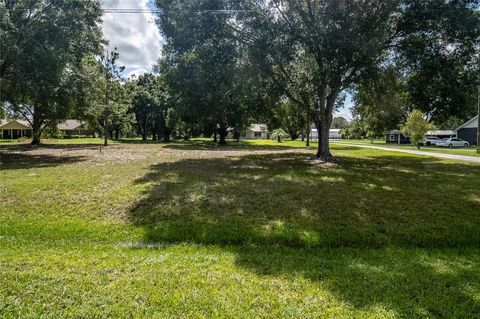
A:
(452, 142)
(428, 141)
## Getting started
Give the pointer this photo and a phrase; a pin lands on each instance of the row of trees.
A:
(43, 46)
(226, 63)
(299, 57)
(53, 66)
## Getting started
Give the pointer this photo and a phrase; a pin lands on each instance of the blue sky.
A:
(139, 42)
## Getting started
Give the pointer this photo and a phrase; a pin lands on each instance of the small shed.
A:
(397, 137)
(468, 131)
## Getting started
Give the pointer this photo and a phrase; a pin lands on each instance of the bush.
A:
(278, 134)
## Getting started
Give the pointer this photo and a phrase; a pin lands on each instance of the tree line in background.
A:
(229, 63)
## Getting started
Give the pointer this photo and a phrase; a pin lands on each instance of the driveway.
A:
(463, 158)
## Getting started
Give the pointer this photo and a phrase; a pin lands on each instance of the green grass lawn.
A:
(252, 230)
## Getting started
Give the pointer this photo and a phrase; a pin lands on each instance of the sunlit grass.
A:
(254, 229)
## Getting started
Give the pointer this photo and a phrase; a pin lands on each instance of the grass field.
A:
(252, 230)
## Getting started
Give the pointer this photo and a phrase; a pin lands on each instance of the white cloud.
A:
(135, 73)
(134, 34)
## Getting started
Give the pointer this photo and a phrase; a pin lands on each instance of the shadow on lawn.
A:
(411, 283)
(274, 212)
(212, 146)
(287, 199)
(25, 156)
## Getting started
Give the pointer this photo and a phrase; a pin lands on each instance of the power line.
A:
(154, 11)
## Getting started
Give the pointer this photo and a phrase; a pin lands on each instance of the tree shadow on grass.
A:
(28, 156)
(405, 283)
(231, 145)
(287, 199)
(390, 220)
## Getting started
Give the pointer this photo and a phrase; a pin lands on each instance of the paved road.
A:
(463, 158)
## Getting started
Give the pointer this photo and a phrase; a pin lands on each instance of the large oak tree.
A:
(43, 45)
(315, 49)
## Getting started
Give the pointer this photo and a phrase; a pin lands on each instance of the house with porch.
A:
(15, 129)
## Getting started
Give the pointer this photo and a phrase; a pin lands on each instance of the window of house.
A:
(391, 137)
(258, 134)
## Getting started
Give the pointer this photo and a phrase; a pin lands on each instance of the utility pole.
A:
(105, 110)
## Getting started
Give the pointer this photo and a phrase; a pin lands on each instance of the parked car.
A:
(431, 141)
(453, 142)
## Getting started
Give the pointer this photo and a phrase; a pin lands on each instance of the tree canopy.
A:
(43, 45)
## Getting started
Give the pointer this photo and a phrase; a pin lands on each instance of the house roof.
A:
(258, 127)
(65, 125)
(69, 125)
(10, 123)
(470, 123)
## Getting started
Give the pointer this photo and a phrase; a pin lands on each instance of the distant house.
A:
(334, 134)
(253, 132)
(75, 128)
(256, 132)
(468, 131)
(14, 129)
(397, 137)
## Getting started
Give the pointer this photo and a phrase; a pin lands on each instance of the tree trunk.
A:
(308, 139)
(222, 131)
(167, 134)
(303, 137)
(279, 139)
(215, 135)
(105, 131)
(117, 134)
(322, 123)
(144, 137)
(36, 130)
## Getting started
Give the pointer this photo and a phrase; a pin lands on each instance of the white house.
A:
(14, 129)
(256, 132)
(335, 134)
